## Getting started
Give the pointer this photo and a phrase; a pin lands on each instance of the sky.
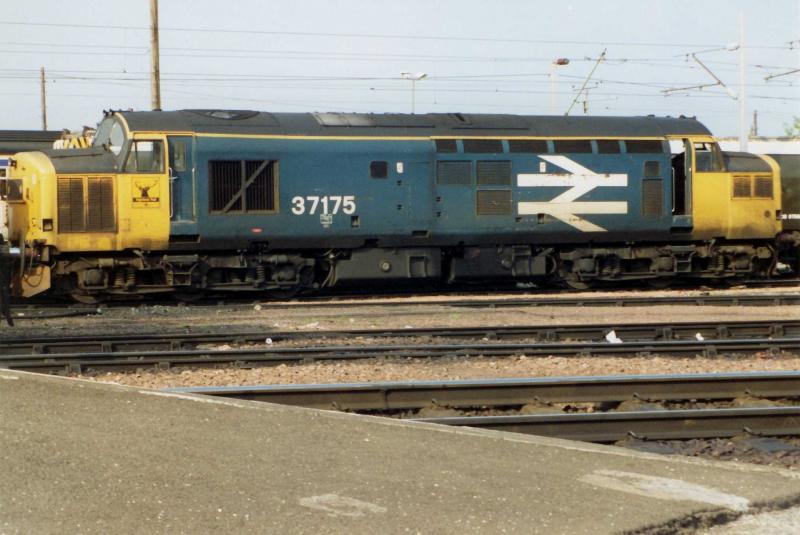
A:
(479, 56)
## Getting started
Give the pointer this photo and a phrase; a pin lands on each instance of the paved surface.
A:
(80, 457)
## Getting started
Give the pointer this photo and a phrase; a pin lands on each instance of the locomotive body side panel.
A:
(324, 193)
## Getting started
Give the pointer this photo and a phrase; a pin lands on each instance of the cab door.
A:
(681, 186)
(183, 213)
(143, 189)
(710, 190)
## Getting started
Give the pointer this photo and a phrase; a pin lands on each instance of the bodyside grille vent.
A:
(86, 204)
(493, 202)
(100, 204)
(494, 173)
(652, 198)
(763, 187)
(242, 186)
(70, 205)
(454, 173)
(741, 186)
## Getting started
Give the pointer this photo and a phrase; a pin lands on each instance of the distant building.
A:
(763, 145)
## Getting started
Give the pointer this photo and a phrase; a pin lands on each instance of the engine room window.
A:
(608, 146)
(446, 145)
(644, 146)
(533, 146)
(568, 146)
(242, 186)
(145, 157)
(378, 169)
(483, 145)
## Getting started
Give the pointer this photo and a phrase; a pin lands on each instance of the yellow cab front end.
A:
(736, 195)
(70, 210)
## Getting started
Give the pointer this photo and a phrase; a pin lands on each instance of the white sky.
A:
(480, 56)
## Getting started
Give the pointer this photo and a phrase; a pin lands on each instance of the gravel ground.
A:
(446, 369)
(349, 315)
(782, 452)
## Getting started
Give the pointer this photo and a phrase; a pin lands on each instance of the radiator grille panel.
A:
(70, 205)
(494, 173)
(86, 205)
(225, 180)
(493, 202)
(260, 195)
(100, 204)
(454, 173)
(741, 186)
(652, 198)
(242, 186)
(763, 187)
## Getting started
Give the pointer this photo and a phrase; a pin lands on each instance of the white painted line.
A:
(664, 488)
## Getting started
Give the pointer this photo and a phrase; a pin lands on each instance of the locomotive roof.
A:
(406, 125)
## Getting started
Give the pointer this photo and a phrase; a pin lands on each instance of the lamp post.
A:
(414, 77)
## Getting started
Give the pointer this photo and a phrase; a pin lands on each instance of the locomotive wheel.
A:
(284, 293)
(83, 297)
(575, 283)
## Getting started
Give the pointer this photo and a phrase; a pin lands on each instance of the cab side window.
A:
(708, 157)
(145, 157)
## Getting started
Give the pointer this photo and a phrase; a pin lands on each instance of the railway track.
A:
(644, 425)
(394, 398)
(415, 395)
(46, 311)
(270, 355)
(548, 333)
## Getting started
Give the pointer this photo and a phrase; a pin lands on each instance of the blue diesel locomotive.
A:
(209, 200)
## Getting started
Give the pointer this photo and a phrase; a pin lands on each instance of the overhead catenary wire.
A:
(786, 45)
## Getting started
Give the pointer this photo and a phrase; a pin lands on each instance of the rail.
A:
(547, 333)
(268, 355)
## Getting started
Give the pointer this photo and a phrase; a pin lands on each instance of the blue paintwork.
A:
(405, 202)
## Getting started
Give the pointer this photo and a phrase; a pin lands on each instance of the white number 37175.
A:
(326, 204)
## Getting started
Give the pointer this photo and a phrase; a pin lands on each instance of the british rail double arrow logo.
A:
(565, 206)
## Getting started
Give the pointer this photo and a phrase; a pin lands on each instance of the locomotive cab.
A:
(724, 196)
(106, 199)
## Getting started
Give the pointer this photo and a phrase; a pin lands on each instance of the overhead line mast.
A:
(155, 75)
(43, 98)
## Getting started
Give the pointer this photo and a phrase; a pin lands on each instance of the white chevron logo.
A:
(580, 181)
